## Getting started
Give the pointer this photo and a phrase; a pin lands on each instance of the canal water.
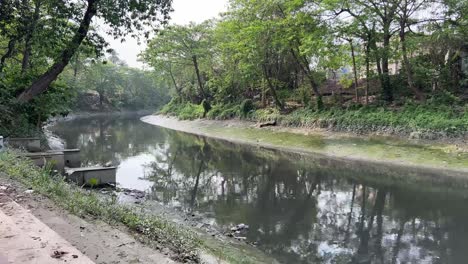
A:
(299, 209)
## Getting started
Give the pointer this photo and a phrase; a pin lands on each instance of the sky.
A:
(185, 11)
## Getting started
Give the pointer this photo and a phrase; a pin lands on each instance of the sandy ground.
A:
(32, 228)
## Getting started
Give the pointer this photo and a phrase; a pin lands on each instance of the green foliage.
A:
(266, 114)
(37, 36)
(184, 111)
(246, 107)
(224, 111)
(432, 118)
(444, 98)
(284, 51)
(116, 87)
(93, 182)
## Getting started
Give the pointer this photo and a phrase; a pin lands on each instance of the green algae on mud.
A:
(373, 148)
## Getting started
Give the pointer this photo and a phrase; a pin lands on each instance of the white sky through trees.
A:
(185, 11)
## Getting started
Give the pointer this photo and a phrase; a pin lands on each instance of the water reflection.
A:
(300, 209)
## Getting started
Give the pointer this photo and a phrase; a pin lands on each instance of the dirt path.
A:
(32, 228)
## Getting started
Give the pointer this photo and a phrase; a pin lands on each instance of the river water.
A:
(300, 209)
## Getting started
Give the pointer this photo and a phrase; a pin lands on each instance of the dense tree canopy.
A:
(276, 55)
(289, 52)
(45, 40)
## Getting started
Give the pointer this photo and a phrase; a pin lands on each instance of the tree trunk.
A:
(367, 72)
(263, 94)
(42, 84)
(197, 71)
(307, 72)
(8, 54)
(179, 92)
(406, 62)
(356, 94)
(272, 88)
(386, 85)
(28, 38)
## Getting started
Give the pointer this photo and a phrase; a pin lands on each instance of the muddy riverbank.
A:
(377, 149)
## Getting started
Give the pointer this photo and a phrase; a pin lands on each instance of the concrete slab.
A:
(30, 144)
(53, 158)
(25, 239)
(71, 157)
(92, 175)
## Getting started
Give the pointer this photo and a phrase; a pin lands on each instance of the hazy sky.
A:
(185, 11)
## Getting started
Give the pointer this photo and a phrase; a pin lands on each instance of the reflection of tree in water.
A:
(108, 139)
(301, 210)
(297, 210)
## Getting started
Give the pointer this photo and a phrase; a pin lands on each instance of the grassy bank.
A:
(430, 120)
(150, 229)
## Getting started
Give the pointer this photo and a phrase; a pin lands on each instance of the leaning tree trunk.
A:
(197, 71)
(8, 54)
(42, 84)
(307, 72)
(272, 88)
(178, 90)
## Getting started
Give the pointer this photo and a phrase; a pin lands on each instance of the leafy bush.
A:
(229, 112)
(191, 111)
(223, 112)
(266, 114)
(449, 120)
(183, 111)
(246, 107)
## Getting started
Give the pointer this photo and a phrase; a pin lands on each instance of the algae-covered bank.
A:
(335, 145)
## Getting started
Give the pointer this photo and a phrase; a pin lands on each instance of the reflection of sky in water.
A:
(298, 209)
(131, 170)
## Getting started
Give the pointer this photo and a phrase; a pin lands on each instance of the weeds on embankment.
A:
(430, 120)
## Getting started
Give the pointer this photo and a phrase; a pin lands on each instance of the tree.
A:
(125, 18)
(181, 46)
(376, 18)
